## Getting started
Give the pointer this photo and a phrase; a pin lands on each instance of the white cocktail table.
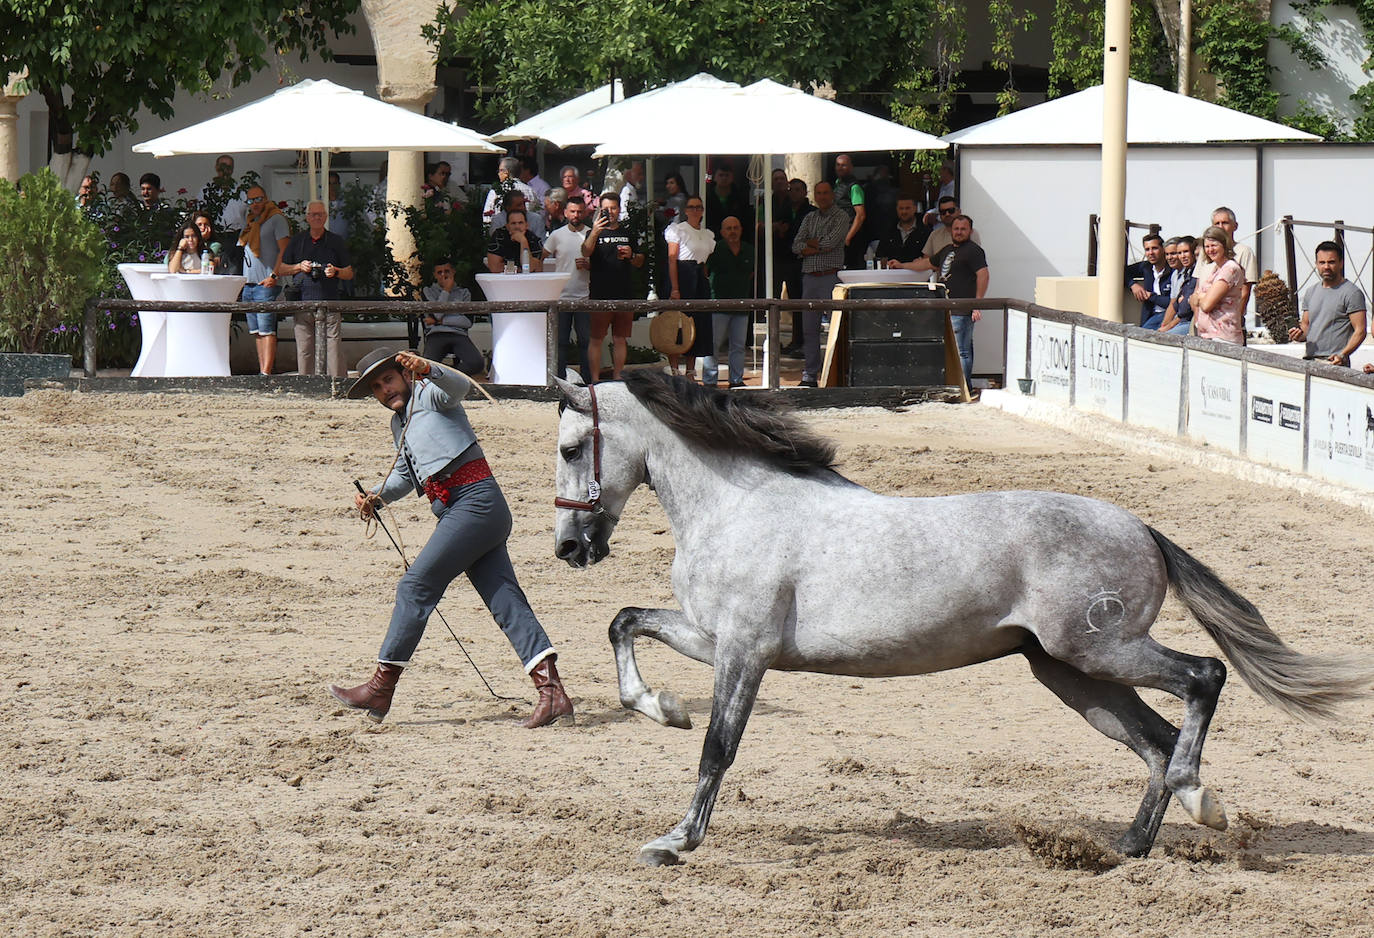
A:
(519, 341)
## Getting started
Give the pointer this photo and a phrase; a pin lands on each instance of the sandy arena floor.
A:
(182, 575)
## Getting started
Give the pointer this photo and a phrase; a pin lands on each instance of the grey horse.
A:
(783, 563)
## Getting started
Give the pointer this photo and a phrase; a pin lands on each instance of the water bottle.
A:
(524, 260)
(869, 262)
(205, 262)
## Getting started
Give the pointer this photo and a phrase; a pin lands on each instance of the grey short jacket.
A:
(438, 433)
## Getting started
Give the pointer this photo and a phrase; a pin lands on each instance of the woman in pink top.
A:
(1216, 301)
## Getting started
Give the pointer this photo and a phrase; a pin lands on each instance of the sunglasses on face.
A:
(946, 211)
(255, 199)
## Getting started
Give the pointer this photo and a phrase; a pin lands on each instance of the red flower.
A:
(181, 192)
(670, 213)
(281, 205)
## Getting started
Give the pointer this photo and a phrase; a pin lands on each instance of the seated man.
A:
(555, 209)
(1178, 317)
(904, 242)
(516, 201)
(447, 333)
(514, 242)
(1149, 280)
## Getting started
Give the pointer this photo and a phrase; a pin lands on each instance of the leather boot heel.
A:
(374, 696)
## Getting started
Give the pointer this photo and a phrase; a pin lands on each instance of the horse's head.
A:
(599, 465)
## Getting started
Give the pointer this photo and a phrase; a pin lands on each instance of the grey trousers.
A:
(815, 287)
(470, 538)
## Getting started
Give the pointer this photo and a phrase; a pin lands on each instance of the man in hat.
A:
(438, 456)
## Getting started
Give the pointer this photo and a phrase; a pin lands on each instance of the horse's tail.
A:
(1306, 686)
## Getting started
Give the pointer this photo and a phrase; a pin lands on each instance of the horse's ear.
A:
(575, 396)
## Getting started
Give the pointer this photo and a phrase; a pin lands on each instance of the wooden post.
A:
(1290, 255)
(90, 338)
(1339, 226)
(772, 364)
(1092, 245)
(550, 344)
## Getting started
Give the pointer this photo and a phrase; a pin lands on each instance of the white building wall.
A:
(1327, 89)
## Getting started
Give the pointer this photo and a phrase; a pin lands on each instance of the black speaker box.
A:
(897, 364)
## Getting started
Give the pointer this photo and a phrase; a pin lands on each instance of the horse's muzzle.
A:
(582, 553)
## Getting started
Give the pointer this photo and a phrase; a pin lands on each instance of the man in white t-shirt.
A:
(564, 247)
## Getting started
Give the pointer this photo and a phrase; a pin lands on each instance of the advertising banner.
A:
(1154, 381)
(1052, 360)
(1340, 435)
(1274, 416)
(1099, 384)
(1214, 402)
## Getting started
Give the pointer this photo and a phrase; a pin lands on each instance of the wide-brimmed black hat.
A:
(372, 364)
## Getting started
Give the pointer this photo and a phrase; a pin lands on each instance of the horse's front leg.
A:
(671, 627)
(738, 676)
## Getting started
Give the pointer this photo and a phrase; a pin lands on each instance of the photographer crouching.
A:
(320, 260)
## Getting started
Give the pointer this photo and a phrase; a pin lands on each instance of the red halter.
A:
(593, 502)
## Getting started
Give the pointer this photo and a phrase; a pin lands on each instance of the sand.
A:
(183, 574)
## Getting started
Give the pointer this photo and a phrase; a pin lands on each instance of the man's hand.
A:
(1139, 292)
(431, 321)
(269, 281)
(413, 363)
(1369, 368)
(367, 504)
(1338, 359)
(1296, 333)
(330, 270)
(519, 237)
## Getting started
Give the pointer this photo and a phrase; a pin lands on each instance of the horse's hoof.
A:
(658, 856)
(674, 712)
(1203, 806)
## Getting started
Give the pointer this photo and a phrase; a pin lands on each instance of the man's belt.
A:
(466, 474)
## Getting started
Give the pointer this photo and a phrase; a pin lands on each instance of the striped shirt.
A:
(829, 228)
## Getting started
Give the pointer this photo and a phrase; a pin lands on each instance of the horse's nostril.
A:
(566, 549)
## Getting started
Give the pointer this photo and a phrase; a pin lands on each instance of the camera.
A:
(316, 270)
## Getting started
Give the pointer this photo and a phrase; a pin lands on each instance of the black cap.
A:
(372, 364)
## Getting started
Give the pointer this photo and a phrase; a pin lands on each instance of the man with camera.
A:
(320, 260)
(614, 252)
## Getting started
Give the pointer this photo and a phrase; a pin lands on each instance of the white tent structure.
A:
(535, 126)
(318, 116)
(1153, 115)
(1030, 179)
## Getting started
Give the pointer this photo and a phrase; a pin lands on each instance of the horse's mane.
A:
(746, 424)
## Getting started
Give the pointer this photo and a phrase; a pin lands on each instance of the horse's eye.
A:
(570, 453)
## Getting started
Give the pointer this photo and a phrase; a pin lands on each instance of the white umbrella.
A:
(764, 117)
(656, 105)
(534, 127)
(318, 115)
(1153, 115)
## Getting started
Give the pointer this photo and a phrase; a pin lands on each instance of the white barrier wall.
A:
(1270, 408)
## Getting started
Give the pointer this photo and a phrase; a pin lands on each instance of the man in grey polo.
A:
(1333, 311)
(438, 456)
(820, 245)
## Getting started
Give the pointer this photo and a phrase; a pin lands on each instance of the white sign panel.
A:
(1154, 381)
(1340, 436)
(1052, 359)
(1214, 403)
(1016, 346)
(1098, 374)
(1274, 417)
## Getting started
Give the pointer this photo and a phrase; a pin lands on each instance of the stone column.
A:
(405, 77)
(9, 127)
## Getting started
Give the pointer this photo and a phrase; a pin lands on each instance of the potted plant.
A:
(50, 264)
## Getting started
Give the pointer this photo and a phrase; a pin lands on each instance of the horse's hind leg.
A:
(1196, 681)
(671, 627)
(1117, 712)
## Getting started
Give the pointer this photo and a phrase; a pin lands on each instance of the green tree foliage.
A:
(97, 64)
(51, 259)
(1076, 34)
(527, 54)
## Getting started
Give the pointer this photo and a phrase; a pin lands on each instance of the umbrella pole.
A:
(701, 167)
(769, 357)
(324, 183)
(652, 238)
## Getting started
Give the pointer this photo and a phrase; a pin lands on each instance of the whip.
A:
(382, 524)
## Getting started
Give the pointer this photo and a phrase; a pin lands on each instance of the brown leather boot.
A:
(553, 704)
(375, 695)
